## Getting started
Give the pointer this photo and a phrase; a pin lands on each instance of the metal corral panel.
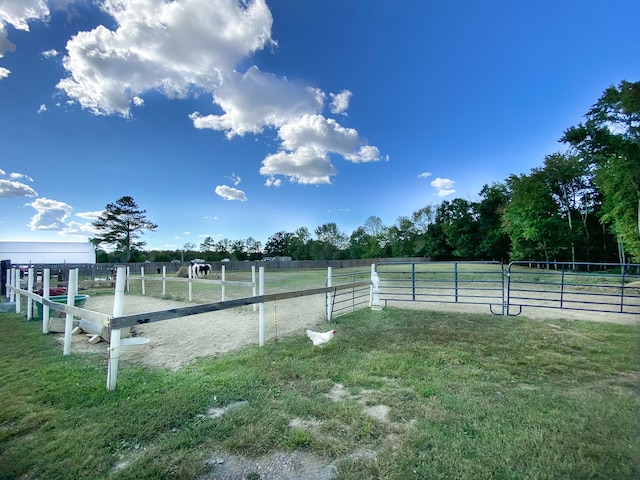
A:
(27, 253)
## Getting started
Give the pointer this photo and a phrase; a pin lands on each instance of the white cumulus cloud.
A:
(254, 100)
(90, 215)
(186, 48)
(172, 47)
(273, 182)
(230, 193)
(51, 214)
(20, 176)
(18, 14)
(306, 165)
(11, 189)
(444, 186)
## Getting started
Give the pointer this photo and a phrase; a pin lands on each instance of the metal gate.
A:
(506, 290)
(479, 283)
(599, 287)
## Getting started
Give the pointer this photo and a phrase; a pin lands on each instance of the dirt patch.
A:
(177, 342)
(278, 466)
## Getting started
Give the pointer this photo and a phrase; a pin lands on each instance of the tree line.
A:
(581, 205)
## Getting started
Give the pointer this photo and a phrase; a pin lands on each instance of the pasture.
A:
(398, 394)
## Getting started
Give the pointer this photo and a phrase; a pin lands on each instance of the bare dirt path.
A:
(176, 342)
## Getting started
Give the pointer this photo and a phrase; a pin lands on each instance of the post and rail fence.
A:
(610, 288)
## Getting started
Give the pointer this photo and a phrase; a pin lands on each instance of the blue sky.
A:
(241, 119)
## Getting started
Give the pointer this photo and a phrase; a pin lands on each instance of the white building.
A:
(38, 253)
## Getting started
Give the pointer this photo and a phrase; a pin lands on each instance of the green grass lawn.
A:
(427, 394)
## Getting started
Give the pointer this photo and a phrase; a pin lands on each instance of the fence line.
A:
(114, 323)
(602, 287)
(223, 282)
(597, 287)
(348, 300)
(478, 283)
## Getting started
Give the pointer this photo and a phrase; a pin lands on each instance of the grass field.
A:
(398, 395)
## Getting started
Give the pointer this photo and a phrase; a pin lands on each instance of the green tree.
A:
(278, 244)
(609, 141)
(239, 250)
(223, 247)
(373, 226)
(254, 248)
(120, 224)
(494, 241)
(400, 237)
(458, 220)
(568, 180)
(532, 219)
(299, 244)
(329, 233)
(207, 245)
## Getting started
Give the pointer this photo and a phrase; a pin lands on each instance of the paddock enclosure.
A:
(318, 295)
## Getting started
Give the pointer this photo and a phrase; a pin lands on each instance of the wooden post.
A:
(46, 280)
(261, 310)
(142, 279)
(72, 289)
(114, 342)
(190, 286)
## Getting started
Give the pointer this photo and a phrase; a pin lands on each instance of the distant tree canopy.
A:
(582, 204)
(608, 143)
(120, 225)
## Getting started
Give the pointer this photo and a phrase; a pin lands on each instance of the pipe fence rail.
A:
(348, 300)
(602, 287)
(478, 283)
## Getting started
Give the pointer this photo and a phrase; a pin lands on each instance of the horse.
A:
(204, 269)
(200, 269)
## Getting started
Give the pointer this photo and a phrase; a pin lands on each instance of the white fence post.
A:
(72, 289)
(253, 281)
(261, 309)
(12, 282)
(46, 281)
(190, 286)
(114, 341)
(327, 297)
(142, 279)
(164, 281)
(30, 289)
(16, 284)
(223, 282)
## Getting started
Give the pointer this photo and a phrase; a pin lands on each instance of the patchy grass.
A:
(398, 394)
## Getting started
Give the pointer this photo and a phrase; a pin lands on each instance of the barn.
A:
(33, 253)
